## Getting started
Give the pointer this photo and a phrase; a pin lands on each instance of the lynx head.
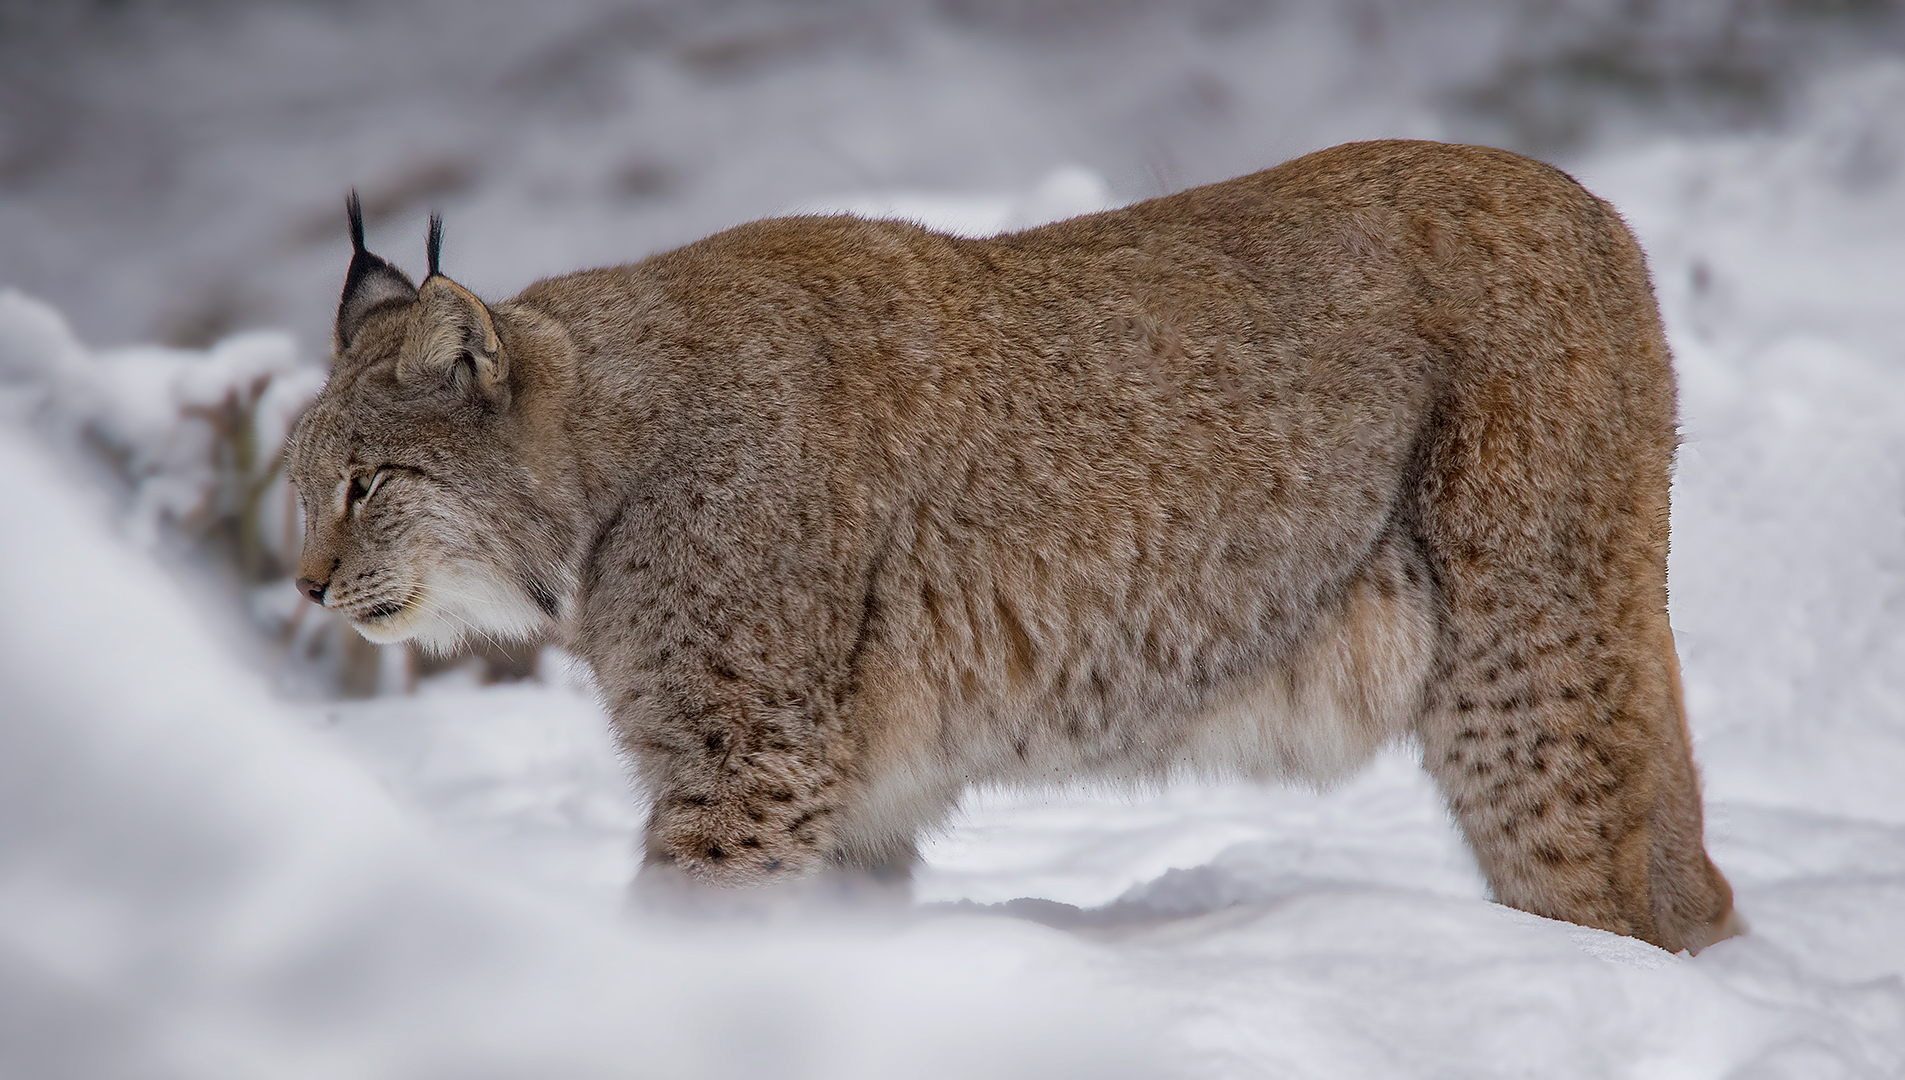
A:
(424, 517)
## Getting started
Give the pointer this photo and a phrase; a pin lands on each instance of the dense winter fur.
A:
(849, 515)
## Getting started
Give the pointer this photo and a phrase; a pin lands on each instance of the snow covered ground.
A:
(200, 877)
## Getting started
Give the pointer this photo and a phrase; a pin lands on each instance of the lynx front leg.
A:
(751, 804)
(722, 619)
(741, 796)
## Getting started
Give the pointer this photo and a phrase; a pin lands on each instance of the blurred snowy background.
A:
(235, 842)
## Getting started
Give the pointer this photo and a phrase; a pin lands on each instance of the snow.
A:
(1065, 192)
(200, 877)
(169, 421)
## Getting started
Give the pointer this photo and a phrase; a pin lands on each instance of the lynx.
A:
(1246, 481)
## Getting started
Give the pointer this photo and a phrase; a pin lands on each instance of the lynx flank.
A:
(1244, 481)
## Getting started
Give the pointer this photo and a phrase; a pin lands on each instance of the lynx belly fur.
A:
(1245, 481)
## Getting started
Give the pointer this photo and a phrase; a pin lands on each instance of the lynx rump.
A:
(1244, 481)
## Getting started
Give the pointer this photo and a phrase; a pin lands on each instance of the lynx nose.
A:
(312, 589)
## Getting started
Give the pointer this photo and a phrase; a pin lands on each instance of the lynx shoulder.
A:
(1244, 481)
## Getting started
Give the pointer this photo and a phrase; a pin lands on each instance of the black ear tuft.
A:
(369, 284)
(433, 247)
(355, 209)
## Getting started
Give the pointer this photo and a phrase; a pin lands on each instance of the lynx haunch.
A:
(1244, 481)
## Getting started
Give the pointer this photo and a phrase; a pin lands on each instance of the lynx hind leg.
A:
(1560, 743)
(1693, 904)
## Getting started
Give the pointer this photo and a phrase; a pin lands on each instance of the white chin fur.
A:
(457, 603)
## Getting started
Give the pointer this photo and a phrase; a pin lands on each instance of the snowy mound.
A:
(198, 879)
(195, 885)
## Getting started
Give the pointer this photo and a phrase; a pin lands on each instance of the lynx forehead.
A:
(1247, 480)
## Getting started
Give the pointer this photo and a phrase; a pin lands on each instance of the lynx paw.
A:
(736, 846)
(1733, 925)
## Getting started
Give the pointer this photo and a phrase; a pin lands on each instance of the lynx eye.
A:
(363, 487)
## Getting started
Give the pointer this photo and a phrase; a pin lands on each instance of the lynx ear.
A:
(453, 342)
(370, 284)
